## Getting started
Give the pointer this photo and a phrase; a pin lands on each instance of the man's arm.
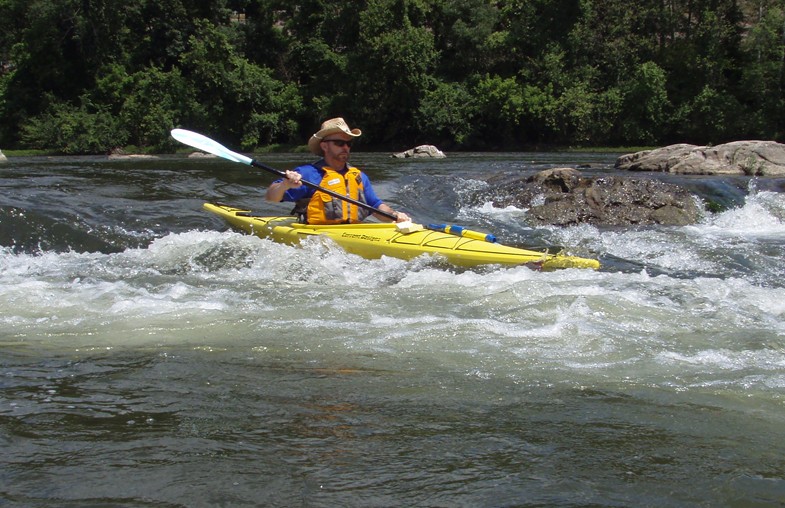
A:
(276, 190)
(372, 199)
(399, 216)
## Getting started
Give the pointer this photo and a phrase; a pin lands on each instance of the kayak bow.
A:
(374, 240)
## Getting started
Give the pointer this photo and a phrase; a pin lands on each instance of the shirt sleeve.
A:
(370, 196)
(309, 174)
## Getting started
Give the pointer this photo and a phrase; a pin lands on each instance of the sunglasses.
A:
(338, 142)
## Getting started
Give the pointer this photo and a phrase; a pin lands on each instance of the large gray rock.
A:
(753, 158)
(201, 155)
(130, 156)
(420, 151)
(563, 196)
(3, 158)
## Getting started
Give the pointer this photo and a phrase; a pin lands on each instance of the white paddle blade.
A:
(206, 144)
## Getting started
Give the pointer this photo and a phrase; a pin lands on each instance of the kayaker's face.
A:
(337, 147)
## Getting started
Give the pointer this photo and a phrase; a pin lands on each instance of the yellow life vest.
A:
(325, 209)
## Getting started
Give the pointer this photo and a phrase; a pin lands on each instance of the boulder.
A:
(201, 155)
(120, 154)
(3, 158)
(420, 151)
(563, 197)
(116, 156)
(752, 158)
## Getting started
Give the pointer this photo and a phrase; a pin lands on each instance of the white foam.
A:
(218, 290)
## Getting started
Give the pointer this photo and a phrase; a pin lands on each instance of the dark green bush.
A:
(72, 130)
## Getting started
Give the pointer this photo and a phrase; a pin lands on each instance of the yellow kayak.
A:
(374, 240)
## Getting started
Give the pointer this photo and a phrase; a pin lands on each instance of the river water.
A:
(151, 357)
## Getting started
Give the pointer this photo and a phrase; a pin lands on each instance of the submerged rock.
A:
(753, 158)
(564, 196)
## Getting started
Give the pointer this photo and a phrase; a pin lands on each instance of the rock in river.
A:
(563, 196)
(420, 152)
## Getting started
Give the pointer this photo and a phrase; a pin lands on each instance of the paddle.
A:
(208, 145)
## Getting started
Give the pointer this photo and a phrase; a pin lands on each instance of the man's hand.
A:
(292, 180)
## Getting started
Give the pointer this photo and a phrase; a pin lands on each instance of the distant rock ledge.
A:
(751, 158)
(421, 151)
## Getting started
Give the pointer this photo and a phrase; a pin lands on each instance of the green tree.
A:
(464, 36)
(474, 72)
(586, 116)
(446, 114)
(393, 61)
(240, 99)
(70, 130)
(703, 50)
(153, 103)
(763, 79)
(500, 109)
(711, 117)
(48, 57)
(528, 30)
(320, 37)
(646, 105)
(266, 40)
(610, 36)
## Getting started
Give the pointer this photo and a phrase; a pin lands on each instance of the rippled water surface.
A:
(151, 357)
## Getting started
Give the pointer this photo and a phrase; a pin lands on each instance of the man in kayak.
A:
(333, 143)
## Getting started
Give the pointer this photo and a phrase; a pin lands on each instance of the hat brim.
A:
(313, 143)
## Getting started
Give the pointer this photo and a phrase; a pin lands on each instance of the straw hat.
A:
(331, 126)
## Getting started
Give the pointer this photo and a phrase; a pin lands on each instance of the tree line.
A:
(87, 76)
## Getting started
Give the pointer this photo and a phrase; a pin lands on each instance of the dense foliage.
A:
(84, 76)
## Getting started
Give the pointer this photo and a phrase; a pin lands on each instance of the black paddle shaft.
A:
(334, 194)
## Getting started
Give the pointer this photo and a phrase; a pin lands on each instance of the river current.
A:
(149, 356)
